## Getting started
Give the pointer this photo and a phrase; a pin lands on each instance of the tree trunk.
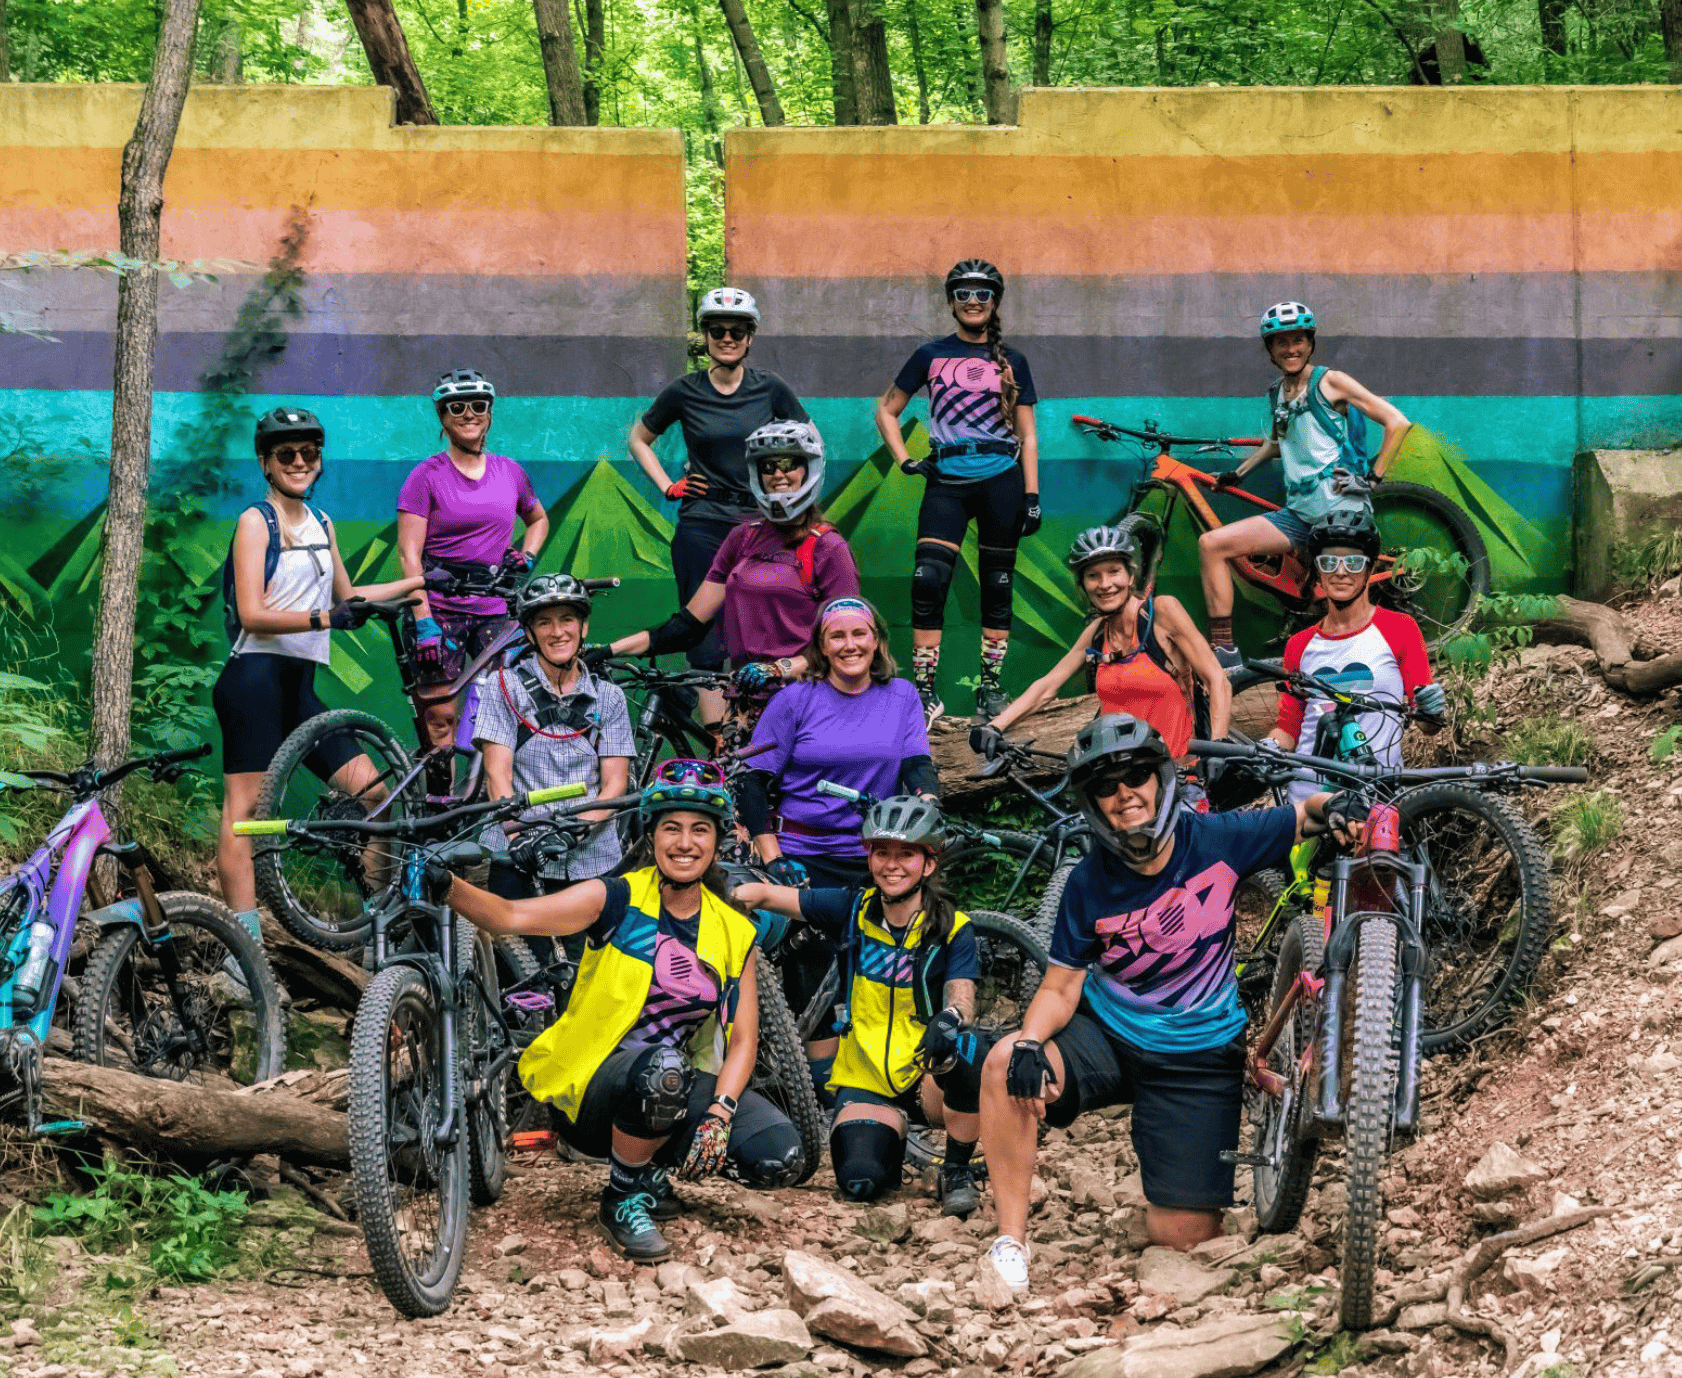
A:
(140, 208)
(595, 46)
(230, 64)
(962, 21)
(995, 62)
(560, 62)
(5, 47)
(1551, 15)
(1451, 43)
(709, 94)
(1042, 42)
(841, 79)
(747, 48)
(389, 58)
(1670, 25)
(873, 81)
(917, 62)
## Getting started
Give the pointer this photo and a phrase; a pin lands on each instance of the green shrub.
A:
(1665, 744)
(1585, 824)
(188, 1232)
(1550, 741)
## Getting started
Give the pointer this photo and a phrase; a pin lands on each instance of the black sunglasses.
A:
(479, 407)
(1130, 777)
(732, 332)
(780, 465)
(285, 454)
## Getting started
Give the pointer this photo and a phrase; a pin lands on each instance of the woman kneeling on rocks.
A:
(650, 1063)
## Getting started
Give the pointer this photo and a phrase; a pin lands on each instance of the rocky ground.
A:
(1534, 1226)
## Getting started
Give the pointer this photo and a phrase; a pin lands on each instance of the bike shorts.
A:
(1186, 1109)
(260, 698)
(996, 505)
(907, 1102)
(471, 633)
(1294, 527)
(695, 544)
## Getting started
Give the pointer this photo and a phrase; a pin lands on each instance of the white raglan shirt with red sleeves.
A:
(1386, 659)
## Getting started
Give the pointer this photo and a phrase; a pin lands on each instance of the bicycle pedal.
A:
(1237, 1159)
(533, 1140)
(529, 1001)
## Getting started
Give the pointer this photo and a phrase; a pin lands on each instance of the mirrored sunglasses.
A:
(686, 770)
(981, 295)
(479, 406)
(731, 332)
(780, 464)
(1350, 564)
(285, 454)
(1130, 777)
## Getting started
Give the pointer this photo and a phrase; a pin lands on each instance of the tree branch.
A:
(1401, 38)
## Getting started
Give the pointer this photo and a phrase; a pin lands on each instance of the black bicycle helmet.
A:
(1350, 527)
(976, 272)
(552, 591)
(1106, 746)
(288, 423)
(460, 384)
(906, 818)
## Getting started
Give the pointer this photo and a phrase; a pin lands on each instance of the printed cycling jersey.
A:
(963, 383)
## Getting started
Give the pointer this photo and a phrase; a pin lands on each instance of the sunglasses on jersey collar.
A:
(479, 407)
(685, 770)
(980, 295)
(1349, 564)
(729, 332)
(1131, 776)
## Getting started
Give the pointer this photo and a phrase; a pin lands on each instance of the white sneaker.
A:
(1009, 1259)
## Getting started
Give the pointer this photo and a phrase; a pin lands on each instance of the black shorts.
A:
(996, 505)
(1186, 1109)
(259, 699)
(695, 544)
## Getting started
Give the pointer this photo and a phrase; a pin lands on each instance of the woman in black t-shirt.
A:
(983, 466)
(717, 409)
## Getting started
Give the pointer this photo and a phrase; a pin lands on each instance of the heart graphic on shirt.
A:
(1354, 678)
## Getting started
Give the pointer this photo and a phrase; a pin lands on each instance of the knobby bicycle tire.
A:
(1368, 1113)
(1045, 916)
(1279, 1192)
(1489, 910)
(1013, 963)
(1259, 937)
(985, 871)
(128, 1018)
(780, 1073)
(400, 1087)
(1444, 604)
(318, 896)
(480, 1039)
(515, 962)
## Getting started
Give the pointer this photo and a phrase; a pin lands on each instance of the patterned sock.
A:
(993, 652)
(958, 1152)
(925, 661)
(1220, 633)
(252, 922)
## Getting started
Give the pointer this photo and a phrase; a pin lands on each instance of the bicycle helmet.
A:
(460, 384)
(776, 438)
(1107, 745)
(976, 272)
(906, 818)
(1287, 315)
(730, 302)
(686, 786)
(1348, 526)
(1103, 543)
(552, 591)
(288, 423)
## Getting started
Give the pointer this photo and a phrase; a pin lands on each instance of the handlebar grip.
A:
(597, 585)
(261, 827)
(836, 791)
(1229, 750)
(1556, 775)
(554, 794)
(186, 753)
(1085, 421)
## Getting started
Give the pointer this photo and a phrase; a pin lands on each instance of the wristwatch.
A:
(728, 1102)
(315, 619)
(785, 667)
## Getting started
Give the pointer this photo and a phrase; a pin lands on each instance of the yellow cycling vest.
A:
(612, 988)
(883, 1028)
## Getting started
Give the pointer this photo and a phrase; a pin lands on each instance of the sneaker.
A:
(630, 1228)
(1229, 657)
(990, 701)
(666, 1204)
(933, 708)
(957, 1191)
(1009, 1259)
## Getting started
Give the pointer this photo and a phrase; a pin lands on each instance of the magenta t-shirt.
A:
(769, 611)
(467, 521)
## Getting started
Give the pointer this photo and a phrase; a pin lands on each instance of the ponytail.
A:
(1007, 379)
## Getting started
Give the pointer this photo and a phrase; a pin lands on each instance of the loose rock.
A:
(1500, 1171)
(1227, 1348)
(756, 1341)
(1169, 1272)
(838, 1305)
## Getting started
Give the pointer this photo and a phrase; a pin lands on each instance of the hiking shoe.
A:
(1009, 1259)
(990, 701)
(666, 1204)
(630, 1228)
(1229, 657)
(957, 1191)
(933, 708)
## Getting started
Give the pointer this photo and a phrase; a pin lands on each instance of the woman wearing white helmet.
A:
(717, 409)
(1319, 424)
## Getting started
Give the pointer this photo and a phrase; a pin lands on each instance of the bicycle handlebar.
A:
(1352, 770)
(86, 779)
(1108, 430)
(417, 827)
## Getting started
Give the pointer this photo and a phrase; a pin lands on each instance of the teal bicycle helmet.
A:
(688, 786)
(1287, 315)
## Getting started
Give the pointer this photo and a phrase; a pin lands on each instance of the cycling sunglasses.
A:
(287, 453)
(980, 295)
(1130, 777)
(1350, 564)
(479, 407)
(783, 464)
(732, 332)
(686, 770)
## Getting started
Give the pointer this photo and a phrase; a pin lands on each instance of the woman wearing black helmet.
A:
(284, 587)
(983, 466)
(1140, 1002)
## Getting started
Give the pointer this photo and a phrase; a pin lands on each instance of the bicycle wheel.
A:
(1368, 1112)
(1013, 961)
(516, 963)
(480, 1040)
(1045, 914)
(1489, 908)
(781, 1074)
(1006, 872)
(1259, 937)
(317, 891)
(213, 1029)
(1281, 1189)
(1411, 516)
(411, 1191)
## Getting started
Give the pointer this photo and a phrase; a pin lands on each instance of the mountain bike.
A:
(1435, 566)
(174, 987)
(319, 896)
(431, 1051)
(1341, 1051)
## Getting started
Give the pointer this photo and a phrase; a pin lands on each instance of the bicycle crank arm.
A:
(1237, 1159)
(476, 1090)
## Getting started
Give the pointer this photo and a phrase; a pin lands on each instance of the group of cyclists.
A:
(649, 1064)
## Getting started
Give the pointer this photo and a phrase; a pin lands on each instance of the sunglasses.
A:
(784, 465)
(1350, 564)
(1128, 777)
(979, 295)
(728, 332)
(285, 454)
(478, 408)
(686, 770)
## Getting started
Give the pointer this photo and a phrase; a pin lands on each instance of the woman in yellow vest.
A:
(650, 1063)
(909, 966)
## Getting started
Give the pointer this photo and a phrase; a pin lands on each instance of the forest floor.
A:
(1584, 1084)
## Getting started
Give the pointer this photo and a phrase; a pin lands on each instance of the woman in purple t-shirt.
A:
(459, 508)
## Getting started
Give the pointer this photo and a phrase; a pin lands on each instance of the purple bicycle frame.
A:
(71, 844)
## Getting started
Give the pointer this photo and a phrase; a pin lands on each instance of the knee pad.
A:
(931, 577)
(661, 1085)
(997, 570)
(960, 1084)
(867, 1158)
(770, 1158)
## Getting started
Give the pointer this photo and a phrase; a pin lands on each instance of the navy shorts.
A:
(1293, 526)
(906, 1102)
(1186, 1109)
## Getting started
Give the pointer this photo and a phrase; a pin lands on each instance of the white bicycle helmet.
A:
(730, 302)
(1287, 315)
(777, 438)
(462, 383)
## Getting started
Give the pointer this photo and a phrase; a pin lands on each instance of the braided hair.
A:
(1007, 378)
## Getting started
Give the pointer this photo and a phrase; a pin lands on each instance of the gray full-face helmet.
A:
(1106, 750)
(786, 439)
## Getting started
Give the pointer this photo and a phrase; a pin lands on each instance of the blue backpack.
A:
(271, 559)
(1349, 432)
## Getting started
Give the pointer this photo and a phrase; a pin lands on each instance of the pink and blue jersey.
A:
(682, 992)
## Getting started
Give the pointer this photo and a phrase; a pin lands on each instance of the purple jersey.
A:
(468, 521)
(770, 610)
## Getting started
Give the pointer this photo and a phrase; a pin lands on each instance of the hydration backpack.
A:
(271, 559)
(1348, 431)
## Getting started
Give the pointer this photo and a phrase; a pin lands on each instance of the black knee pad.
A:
(997, 571)
(770, 1157)
(931, 577)
(659, 1099)
(960, 1084)
(867, 1158)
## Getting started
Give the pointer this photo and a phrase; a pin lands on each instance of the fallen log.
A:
(308, 971)
(178, 1118)
(1616, 645)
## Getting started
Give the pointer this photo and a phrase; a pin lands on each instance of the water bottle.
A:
(31, 979)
